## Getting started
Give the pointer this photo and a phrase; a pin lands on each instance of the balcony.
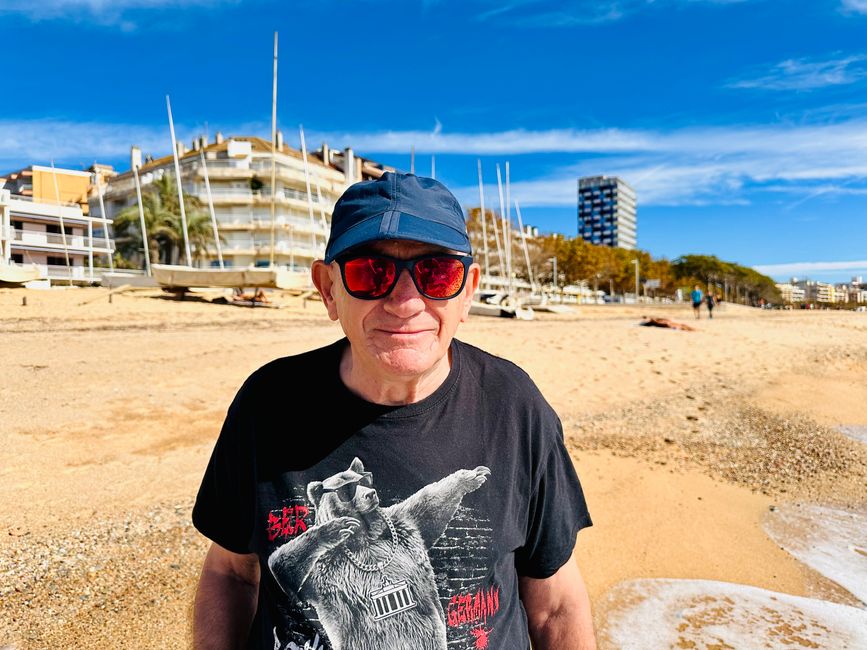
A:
(78, 243)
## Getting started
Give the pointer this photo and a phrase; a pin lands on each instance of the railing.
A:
(283, 246)
(30, 199)
(37, 238)
(242, 193)
(298, 223)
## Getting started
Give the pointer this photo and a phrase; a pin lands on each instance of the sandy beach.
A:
(685, 443)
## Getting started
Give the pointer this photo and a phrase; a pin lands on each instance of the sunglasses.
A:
(346, 492)
(437, 276)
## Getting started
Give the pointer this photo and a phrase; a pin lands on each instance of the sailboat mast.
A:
(189, 256)
(322, 219)
(62, 227)
(507, 232)
(144, 230)
(524, 242)
(484, 224)
(307, 183)
(501, 252)
(104, 220)
(274, 156)
(211, 208)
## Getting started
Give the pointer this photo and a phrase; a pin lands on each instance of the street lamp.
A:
(553, 261)
(636, 279)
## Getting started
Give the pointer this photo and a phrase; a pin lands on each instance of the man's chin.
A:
(407, 360)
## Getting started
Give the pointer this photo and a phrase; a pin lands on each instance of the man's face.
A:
(403, 334)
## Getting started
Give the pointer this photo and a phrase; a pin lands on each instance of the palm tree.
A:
(163, 225)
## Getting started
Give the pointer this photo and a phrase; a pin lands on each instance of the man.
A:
(427, 497)
(697, 297)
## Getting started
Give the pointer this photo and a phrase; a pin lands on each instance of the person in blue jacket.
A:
(696, 296)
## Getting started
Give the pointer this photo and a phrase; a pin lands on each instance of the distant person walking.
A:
(711, 303)
(697, 296)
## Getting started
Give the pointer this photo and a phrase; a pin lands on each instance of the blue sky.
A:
(742, 124)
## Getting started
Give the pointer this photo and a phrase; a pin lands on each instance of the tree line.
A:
(612, 269)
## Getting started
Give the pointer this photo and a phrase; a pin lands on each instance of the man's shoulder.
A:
(496, 373)
(292, 371)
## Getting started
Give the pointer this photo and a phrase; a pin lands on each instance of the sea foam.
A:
(668, 613)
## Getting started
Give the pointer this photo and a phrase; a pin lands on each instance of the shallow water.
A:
(667, 613)
(833, 541)
(856, 431)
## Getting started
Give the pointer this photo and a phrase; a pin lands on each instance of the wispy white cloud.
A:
(807, 74)
(849, 137)
(574, 13)
(856, 6)
(24, 142)
(694, 166)
(99, 12)
(812, 268)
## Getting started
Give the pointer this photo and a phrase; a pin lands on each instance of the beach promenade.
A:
(689, 445)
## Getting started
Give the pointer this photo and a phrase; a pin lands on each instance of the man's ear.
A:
(324, 278)
(470, 288)
(314, 492)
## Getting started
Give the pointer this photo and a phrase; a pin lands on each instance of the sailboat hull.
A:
(184, 277)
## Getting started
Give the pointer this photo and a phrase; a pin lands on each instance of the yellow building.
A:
(47, 185)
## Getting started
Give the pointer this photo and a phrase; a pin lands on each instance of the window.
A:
(18, 258)
(56, 261)
(55, 228)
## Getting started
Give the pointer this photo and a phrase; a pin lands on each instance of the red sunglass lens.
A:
(369, 276)
(440, 277)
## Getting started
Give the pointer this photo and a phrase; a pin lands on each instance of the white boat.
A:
(543, 303)
(118, 278)
(17, 274)
(497, 303)
(171, 276)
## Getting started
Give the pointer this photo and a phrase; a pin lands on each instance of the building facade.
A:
(239, 171)
(607, 212)
(791, 293)
(57, 237)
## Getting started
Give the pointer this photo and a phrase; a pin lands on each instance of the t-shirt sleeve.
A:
(224, 508)
(557, 511)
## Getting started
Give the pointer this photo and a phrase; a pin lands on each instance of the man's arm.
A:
(226, 599)
(558, 610)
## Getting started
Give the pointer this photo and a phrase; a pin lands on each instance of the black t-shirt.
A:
(398, 527)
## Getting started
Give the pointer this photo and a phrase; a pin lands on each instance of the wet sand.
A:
(684, 441)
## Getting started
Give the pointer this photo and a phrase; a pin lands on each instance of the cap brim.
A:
(408, 227)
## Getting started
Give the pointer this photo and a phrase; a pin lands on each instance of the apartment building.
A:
(607, 212)
(58, 237)
(791, 293)
(50, 185)
(239, 170)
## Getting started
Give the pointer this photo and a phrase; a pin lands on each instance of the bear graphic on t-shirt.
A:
(365, 569)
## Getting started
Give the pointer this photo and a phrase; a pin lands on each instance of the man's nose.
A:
(405, 296)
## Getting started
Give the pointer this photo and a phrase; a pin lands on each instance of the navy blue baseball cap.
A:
(397, 206)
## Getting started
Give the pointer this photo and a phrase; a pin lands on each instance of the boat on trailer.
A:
(174, 277)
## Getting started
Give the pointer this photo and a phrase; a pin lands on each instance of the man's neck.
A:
(378, 388)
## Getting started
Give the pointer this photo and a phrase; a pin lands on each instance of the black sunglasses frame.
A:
(400, 265)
